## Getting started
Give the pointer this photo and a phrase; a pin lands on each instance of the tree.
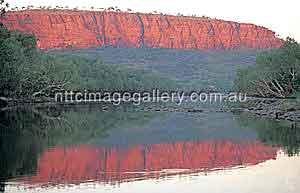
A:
(276, 73)
(26, 71)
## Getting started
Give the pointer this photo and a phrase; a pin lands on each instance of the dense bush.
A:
(92, 74)
(28, 72)
(17, 53)
(276, 73)
(191, 69)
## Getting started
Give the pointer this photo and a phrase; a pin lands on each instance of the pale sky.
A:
(283, 17)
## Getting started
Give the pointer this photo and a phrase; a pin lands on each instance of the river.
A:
(94, 149)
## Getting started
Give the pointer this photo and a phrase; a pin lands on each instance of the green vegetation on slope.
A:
(27, 72)
(191, 69)
(93, 74)
(276, 73)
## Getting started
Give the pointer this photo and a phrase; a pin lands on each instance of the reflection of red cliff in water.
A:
(116, 164)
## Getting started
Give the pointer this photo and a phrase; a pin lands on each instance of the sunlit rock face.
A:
(61, 165)
(85, 29)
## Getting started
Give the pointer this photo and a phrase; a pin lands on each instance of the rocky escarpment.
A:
(84, 29)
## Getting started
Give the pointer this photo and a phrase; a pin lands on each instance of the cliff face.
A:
(76, 164)
(84, 29)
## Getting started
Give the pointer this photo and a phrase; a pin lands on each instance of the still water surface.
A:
(87, 149)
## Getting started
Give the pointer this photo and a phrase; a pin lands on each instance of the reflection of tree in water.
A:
(281, 133)
(288, 137)
(18, 146)
(26, 133)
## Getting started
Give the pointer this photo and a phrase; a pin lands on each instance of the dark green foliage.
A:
(29, 72)
(276, 73)
(17, 53)
(92, 74)
(24, 69)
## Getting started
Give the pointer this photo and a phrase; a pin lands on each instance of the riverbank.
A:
(281, 109)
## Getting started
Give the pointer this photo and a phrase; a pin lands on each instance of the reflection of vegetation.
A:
(282, 133)
(18, 147)
(28, 132)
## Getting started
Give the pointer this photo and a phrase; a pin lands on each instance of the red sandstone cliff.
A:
(115, 164)
(84, 29)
